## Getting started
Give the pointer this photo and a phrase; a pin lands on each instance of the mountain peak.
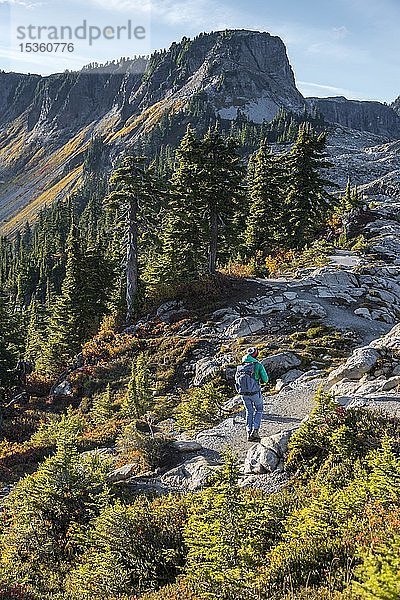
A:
(237, 69)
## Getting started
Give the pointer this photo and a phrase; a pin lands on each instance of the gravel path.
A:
(282, 411)
(345, 258)
(339, 317)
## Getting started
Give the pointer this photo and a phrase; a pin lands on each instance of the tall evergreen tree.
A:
(100, 277)
(220, 177)
(203, 204)
(36, 330)
(139, 397)
(133, 194)
(11, 342)
(180, 257)
(307, 199)
(67, 329)
(76, 313)
(264, 231)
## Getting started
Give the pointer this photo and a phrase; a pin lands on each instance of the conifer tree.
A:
(66, 329)
(76, 312)
(102, 409)
(220, 177)
(65, 493)
(350, 199)
(180, 257)
(264, 231)
(11, 342)
(36, 330)
(307, 199)
(99, 278)
(134, 195)
(224, 538)
(204, 201)
(139, 397)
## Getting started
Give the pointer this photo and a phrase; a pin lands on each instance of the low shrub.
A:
(316, 255)
(152, 448)
(38, 385)
(241, 270)
(131, 549)
(177, 591)
(104, 434)
(200, 407)
(70, 425)
(377, 578)
(359, 244)
(44, 516)
(332, 431)
(321, 542)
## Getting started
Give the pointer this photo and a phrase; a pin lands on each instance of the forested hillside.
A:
(108, 382)
(129, 296)
(64, 273)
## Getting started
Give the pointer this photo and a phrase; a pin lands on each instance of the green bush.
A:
(330, 431)
(323, 539)
(229, 534)
(44, 517)
(317, 331)
(360, 244)
(139, 396)
(103, 407)
(150, 449)
(323, 593)
(200, 407)
(57, 429)
(131, 549)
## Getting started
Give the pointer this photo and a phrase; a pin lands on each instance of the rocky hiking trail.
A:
(358, 295)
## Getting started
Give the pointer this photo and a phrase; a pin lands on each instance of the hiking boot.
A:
(255, 435)
(250, 436)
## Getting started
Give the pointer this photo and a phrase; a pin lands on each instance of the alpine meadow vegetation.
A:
(107, 389)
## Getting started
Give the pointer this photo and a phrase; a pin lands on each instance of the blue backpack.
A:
(246, 385)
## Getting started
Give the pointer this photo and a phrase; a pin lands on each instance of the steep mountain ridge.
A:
(373, 117)
(48, 123)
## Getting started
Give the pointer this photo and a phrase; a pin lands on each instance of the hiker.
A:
(249, 377)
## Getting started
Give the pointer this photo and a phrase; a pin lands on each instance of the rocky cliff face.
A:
(373, 117)
(47, 123)
(234, 69)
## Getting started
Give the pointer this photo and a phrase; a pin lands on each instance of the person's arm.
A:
(263, 374)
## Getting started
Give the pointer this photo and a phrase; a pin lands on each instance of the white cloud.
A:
(197, 13)
(308, 88)
(339, 51)
(24, 3)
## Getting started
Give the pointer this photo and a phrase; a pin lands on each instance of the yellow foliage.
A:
(44, 175)
(147, 119)
(177, 591)
(275, 264)
(67, 184)
(237, 269)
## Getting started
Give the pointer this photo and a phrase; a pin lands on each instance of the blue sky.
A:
(336, 47)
